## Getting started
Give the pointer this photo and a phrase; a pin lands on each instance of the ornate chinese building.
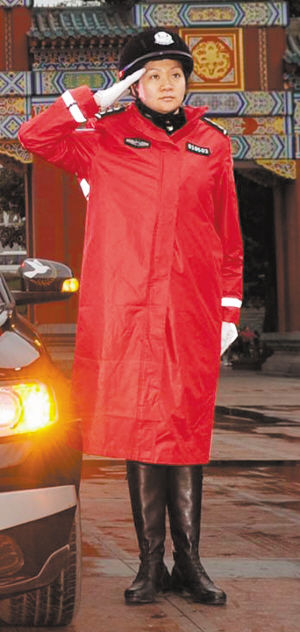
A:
(247, 70)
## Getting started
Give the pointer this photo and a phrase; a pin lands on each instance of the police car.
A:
(39, 468)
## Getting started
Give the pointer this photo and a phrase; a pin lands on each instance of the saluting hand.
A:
(105, 98)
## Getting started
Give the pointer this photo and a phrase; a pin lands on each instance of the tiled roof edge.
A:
(46, 24)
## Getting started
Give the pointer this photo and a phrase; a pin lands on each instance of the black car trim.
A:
(49, 571)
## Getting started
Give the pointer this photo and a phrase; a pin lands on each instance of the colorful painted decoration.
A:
(13, 105)
(41, 103)
(262, 125)
(57, 81)
(14, 82)
(9, 125)
(244, 103)
(267, 147)
(297, 111)
(297, 145)
(283, 168)
(193, 14)
(218, 58)
(15, 150)
(9, 4)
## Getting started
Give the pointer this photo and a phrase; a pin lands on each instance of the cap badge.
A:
(163, 38)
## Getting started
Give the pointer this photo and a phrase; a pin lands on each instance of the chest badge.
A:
(196, 149)
(139, 143)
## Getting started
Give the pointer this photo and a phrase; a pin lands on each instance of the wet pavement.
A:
(250, 545)
(259, 396)
(256, 441)
(250, 541)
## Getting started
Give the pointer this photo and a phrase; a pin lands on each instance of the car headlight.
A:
(25, 407)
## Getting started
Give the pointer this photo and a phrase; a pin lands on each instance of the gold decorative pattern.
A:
(218, 58)
(263, 60)
(297, 111)
(212, 59)
(283, 168)
(8, 40)
(249, 125)
(210, 14)
(198, 13)
(12, 105)
(15, 150)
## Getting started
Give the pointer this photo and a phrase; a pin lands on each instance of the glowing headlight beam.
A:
(25, 407)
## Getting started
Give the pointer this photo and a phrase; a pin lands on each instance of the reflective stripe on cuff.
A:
(26, 505)
(85, 187)
(73, 107)
(231, 302)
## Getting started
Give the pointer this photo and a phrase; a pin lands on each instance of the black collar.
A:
(170, 122)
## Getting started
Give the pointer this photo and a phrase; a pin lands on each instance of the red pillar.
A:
(14, 24)
(58, 228)
(287, 223)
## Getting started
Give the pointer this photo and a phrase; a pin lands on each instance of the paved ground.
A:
(250, 530)
(250, 545)
(259, 395)
(264, 418)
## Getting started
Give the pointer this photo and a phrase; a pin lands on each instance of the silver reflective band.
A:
(231, 302)
(73, 107)
(27, 505)
(85, 187)
(169, 54)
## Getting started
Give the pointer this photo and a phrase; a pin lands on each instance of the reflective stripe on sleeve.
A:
(26, 505)
(85, 187)
(73, 107)
(231, 302)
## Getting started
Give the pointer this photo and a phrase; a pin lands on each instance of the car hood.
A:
(20, 345)
(15, 351)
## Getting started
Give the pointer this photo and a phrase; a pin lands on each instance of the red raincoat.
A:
(162, 267)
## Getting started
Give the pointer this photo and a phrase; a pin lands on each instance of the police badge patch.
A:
(196, 149)
(139, 143)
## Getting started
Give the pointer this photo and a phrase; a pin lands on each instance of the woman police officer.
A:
(160, 290)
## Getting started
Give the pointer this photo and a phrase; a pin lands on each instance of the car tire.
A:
(55, 604)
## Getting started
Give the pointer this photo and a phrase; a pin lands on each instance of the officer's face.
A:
(162, 87)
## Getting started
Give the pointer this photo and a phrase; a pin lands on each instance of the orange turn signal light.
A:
(70, 285)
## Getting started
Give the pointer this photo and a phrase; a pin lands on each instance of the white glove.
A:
(105, 98)
(229, 333)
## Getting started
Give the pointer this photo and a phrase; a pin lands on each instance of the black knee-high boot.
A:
(184, 506)
(148, 494)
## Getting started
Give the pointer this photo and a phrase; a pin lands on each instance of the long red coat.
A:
(162, 267)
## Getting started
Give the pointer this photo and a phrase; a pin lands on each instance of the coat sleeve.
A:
(57, 134)
(228, 228)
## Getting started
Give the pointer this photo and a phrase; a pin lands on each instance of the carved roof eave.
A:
(77, 42)
(77, 26)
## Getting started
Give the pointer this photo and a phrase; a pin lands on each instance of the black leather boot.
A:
(184, 506)
(147, 487)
